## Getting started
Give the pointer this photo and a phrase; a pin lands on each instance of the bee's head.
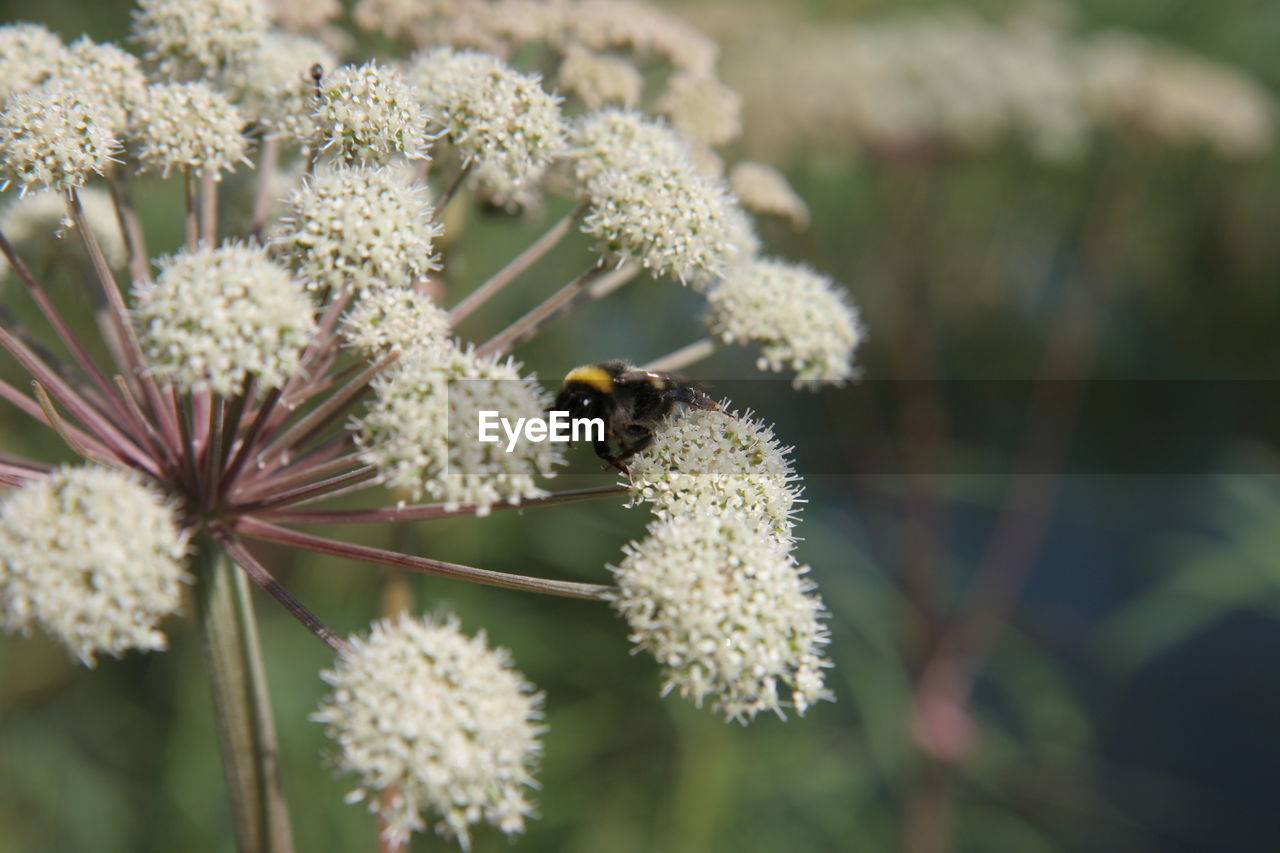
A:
(587, 391)
(581, 400)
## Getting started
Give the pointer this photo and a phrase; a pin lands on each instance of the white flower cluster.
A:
(110, 77)
(951, 80)
(1169, 95)
(648, 202)
(420, 431)
(439, 718)
(189, 127)
(599, 79)
(275, 86)
(198, 38)
(798, 318)
(368, 113)
(712, 591)
(54, 135)
(361, 226)
(620, 139)
(644, 30)
(499, 119)
(704, 109)
(763, 189)
(42, 216)
(28, 54)
(213, 318)
(94, 558)
(299, 16)
(726, 611)
(390, 319)
(719, 460)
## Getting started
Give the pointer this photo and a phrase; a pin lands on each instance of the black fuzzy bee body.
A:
(630, 401)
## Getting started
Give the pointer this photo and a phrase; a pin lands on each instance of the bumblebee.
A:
(629, 401)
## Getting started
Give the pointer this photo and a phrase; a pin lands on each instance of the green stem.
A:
(237, 680)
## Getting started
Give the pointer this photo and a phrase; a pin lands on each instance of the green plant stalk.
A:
(242, 707)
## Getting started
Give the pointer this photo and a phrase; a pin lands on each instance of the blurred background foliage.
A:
(1120, 633)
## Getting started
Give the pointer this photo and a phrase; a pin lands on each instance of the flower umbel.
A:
(722, 460)
(358, 225)
(417, 433)
(796, 316)
(440, 718)
(54, 136)
(93, 557)
(213, 318)
(726, 611)
(307, 343)
(369, 113)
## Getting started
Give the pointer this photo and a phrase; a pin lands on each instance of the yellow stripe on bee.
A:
(596, 377)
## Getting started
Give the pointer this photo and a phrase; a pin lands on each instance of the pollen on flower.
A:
(54, 135)
(598, 79)
(721, 461)
(28, 54)
(358, 225)
(421, 430)
(443, 719)
(198, 38)
(394, 318)
(798, 318)
(92, 557)
(33, 221)
(189, 126)
(213, 318)
(369, 113)
(493, 114)
(726, 612)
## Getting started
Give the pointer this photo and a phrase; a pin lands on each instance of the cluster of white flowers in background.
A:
(950, 79)
(235, 361)
(34, 220)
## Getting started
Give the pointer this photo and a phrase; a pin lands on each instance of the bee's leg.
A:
(603, 451)
(643, 437)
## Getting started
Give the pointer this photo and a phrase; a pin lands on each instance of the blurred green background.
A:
(1130, 703)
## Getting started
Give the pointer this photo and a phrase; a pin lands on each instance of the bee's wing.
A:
(673, 385)
(657, 378)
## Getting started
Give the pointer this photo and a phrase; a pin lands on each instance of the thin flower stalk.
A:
(527, 326)
(256, 528)
(521, 262)
(687, 355)
(422, 512)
